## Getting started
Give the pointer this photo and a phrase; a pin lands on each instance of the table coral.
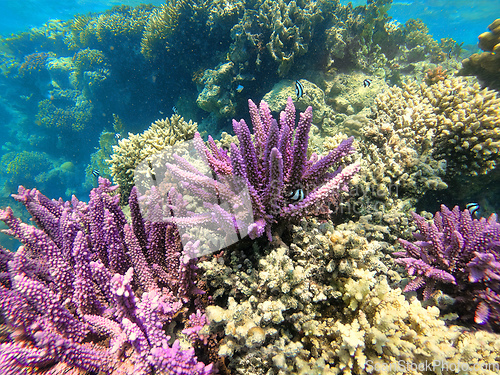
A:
(24, 167)
(93, 292)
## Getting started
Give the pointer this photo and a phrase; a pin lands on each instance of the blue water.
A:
(462, 20)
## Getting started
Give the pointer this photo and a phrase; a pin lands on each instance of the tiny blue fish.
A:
(239, 88)
(367, 82)
(299, 89)
(297, 195)
(95, 172)
(174, 110)
(474, 209)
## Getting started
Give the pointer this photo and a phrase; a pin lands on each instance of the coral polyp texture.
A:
(283, 181)
(461, 255)
(137, 147)
(486, 65)
(89, 291)
(450, 120)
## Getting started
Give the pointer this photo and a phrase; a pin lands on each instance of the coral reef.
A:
(160, 25)
(23, 168)
(313, 96)
(135, 148)
(461, 252)
(451, 120)
(323, 304)
(435, 75)
(118, 25)
(215, 96)
(486, 65)
(283, 181)
(91, 70)
(65, 112)
(91, 292)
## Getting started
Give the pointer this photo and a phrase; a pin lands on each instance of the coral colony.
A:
(272, 163)
(89, 290)
(86, 277)
(458, 250)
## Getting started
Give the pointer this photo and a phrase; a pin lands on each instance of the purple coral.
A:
(84, 276)
(274, 167)
(458, 253)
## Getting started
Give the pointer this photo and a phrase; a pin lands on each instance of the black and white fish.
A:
(296, 195)
(95, 172)
(367, 82)
(474, 209)
(117, 136)
(299, 89)
(174, 110)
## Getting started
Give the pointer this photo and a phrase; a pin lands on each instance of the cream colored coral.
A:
(137, 147)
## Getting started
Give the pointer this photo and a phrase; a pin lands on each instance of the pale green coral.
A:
(135, 148)
(216, 95)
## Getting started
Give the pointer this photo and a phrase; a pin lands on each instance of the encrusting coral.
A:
(135, 148)
(89, 291)
(461, 255)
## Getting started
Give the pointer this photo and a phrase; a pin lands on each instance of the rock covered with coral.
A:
(87, 290)
(323, 303)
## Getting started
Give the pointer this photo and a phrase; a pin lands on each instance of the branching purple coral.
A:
(460, 251)
(68, 281)
(273, 165)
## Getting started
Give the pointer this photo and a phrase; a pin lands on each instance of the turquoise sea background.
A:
(461, 20)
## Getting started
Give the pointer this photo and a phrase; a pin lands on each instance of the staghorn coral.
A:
(135, 148)
(461, 255)
(486, 65)
(73, 298)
